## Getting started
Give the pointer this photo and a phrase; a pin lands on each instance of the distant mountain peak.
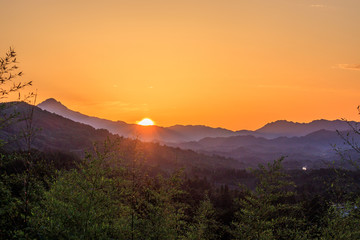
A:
(50, 100)
(290, 129)
(197, 126)
(185, 133)
(281, 122)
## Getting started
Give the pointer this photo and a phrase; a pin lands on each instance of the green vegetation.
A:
(104, 197)
(270, 212)
(111, 193)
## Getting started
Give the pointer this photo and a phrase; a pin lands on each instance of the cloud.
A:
(349, 66)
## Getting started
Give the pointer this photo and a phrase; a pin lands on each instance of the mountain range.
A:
(144, 133)
(181, 133)
(51, 132)
(304, 144)
(61, 129)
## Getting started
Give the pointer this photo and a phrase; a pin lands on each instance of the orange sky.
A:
(236, 64)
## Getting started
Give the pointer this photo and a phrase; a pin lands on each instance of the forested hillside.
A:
(65, 180)
(51, 132)
(125, 189)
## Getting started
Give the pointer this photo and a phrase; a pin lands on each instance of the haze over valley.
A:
(180, 120)
(304, 144)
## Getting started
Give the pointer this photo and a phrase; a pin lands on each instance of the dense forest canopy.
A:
(119, 189)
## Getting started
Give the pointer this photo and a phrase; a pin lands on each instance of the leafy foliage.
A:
(10, 85)
(269, 212)
(83, 203)
(205, 225)
(342, 222)
(112, 194)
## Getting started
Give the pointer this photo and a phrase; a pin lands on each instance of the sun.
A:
(146, 122)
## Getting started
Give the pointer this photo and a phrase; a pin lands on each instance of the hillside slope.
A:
(56, 133)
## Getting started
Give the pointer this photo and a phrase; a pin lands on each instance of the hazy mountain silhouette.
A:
(197, 132)
(54, 106)
(61, 134)
(292, 129)
(313, 150)
(148, 133)
(181, 133)
(304, 143)
(53, 132)
(177, 133)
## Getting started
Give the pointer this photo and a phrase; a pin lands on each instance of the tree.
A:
(205, 226)
(270, 212)
(97, 201)
(158, 212)
(19, 187)
(343, 218)
(350, 154)
(342, 221)
(10, 85)
(85, 203)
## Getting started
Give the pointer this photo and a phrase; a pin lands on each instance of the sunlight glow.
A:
(146, 122)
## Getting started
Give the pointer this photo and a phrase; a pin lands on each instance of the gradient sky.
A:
(232, 63)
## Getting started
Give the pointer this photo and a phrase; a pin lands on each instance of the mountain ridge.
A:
(145, 133)
(185, 133)
(57, 133)
(312, 150)
(289, 128)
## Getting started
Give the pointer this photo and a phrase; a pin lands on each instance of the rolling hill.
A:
(176, 133)
(186, 133)
(304, 144)
(314, 150)
(53, 132)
